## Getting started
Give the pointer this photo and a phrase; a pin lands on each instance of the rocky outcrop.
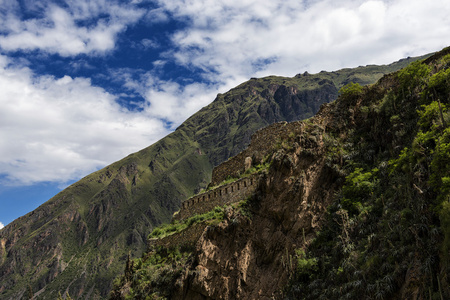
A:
(262, 143)
(248, 258)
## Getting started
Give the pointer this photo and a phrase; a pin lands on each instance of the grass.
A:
(215, 216)
(251, 171)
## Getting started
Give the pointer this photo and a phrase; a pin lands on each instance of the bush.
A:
(359, 187)
(306, 267)
(351, 90)
(439, 84)
(429, 114)
(413, 76)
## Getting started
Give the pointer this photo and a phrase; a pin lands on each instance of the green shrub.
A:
(439, 84)
(153, 276)
(217, 215)
(429, 114)
(440, 165)
(306, 267)
(351, 90)
(359, 187)
(413, 76)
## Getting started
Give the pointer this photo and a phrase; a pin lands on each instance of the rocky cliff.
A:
(79, 240)
(354, 204)
(251, 257)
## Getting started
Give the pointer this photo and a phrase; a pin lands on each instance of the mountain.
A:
(353, 203)
(79, 240)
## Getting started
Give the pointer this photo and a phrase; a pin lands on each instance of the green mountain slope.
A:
(78, 241)
(353, 203)
(386, 235)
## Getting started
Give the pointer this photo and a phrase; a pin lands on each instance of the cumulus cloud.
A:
(174, 103)
(228, 42)
(168, 100)
(59, 129)
(249, 37)
(158, 15)
(81, 27)
(1, 225)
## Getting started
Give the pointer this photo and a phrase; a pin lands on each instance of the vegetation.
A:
(392, 215)
(100, 219)
(214, 217)
(66, 296)
(358, 189)
(351, 90)
(153, 276)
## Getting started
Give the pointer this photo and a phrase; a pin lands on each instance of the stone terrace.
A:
(225, 194)
(259, 147)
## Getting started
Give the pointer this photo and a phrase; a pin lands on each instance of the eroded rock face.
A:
(248, 258)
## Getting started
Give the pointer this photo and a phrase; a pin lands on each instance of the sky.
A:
(85, 83)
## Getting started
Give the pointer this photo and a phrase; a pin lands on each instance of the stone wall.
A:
(259, 148)
(224, 194)
(203, 203)
(187, 237)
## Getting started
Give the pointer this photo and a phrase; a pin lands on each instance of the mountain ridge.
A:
(353, 204)
(79, 239)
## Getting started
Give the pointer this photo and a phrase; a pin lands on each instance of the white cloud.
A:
(61, 129)
(231, 41)
(230, 38)
(60, 30)
(1, 225)
(175, 103)
(168, 100)
(157, 15)
(57, 129)
(149, 44)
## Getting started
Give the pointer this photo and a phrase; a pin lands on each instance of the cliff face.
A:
(354, 205)
(248, 255)
(251, 258)
(78, 241)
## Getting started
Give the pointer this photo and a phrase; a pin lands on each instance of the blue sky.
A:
(84, 83)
